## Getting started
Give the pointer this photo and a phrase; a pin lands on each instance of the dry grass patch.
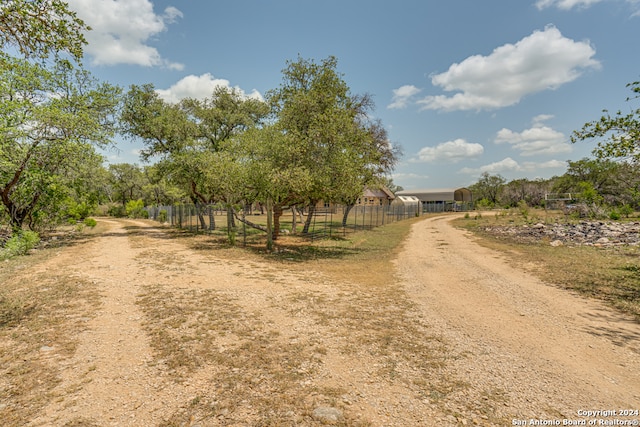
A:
(351, 308)
(41, 316)
(254, 375)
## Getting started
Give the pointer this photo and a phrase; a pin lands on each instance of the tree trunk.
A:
(199, 209)
(231, 226)
(230, 216)
(212, 219)
(307, 223)
(294, 220)
(197, 198)
(269, 225)
(345, 216)
(17, 218)
(277, 213)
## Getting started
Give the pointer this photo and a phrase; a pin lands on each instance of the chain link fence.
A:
(329, 222)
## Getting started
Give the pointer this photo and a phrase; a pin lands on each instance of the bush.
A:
(626, 210)
(78, 211)
(19, 244)
(117, 210)
(90, 222)
(524, 208)
(484, 204)
(135, 209)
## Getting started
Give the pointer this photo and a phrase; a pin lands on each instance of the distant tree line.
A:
(611, 185)
(609, 182)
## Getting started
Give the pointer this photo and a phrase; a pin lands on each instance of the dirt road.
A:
(184, 337)
(546, 352)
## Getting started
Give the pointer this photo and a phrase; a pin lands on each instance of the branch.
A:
(249, 223)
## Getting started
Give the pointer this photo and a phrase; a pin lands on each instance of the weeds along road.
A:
(185, 337)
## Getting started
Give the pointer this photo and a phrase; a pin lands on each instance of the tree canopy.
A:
(311, 140)
(621, 132)
(50, 118)
(339, 147)
(39, 28)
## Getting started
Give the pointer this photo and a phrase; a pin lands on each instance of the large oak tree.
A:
(339, 146)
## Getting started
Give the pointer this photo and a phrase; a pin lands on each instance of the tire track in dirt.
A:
(537, 350)
(109, 382)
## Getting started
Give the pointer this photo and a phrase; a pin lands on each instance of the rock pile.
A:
(585, 233)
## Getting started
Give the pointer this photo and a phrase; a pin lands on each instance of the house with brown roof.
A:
(376, 197)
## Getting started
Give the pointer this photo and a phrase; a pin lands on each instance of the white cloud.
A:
(199, 87)
(450, 151)
(404, 176)
(509, 165)
(402, 96)
(504, 165)
(537, 140)
(582, 4)
(121, 30)
(565, 4)
(551, 164)
(544, 60)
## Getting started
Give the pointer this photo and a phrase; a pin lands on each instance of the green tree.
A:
(629, 183)
(82, 183)
(50, 120)
(159, 189)
(38, 28)
(488, 187)
(341, 149)
(606, 177)
(164, 128)
(532, 192)
(192, 139)
(588, 193)
(219, 119)
(127, 182)
(275, 175)
(620, 130)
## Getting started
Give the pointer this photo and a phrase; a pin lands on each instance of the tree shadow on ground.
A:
(294, 250)
(620, 329)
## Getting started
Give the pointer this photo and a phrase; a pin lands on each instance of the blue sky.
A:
(463, 86)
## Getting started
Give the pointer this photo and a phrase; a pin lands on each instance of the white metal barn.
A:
(407, 201)
(442, 200)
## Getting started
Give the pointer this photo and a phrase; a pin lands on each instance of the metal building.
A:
(442, 200)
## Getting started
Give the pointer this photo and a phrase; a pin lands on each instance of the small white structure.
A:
(406, 201)
(442, 200)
